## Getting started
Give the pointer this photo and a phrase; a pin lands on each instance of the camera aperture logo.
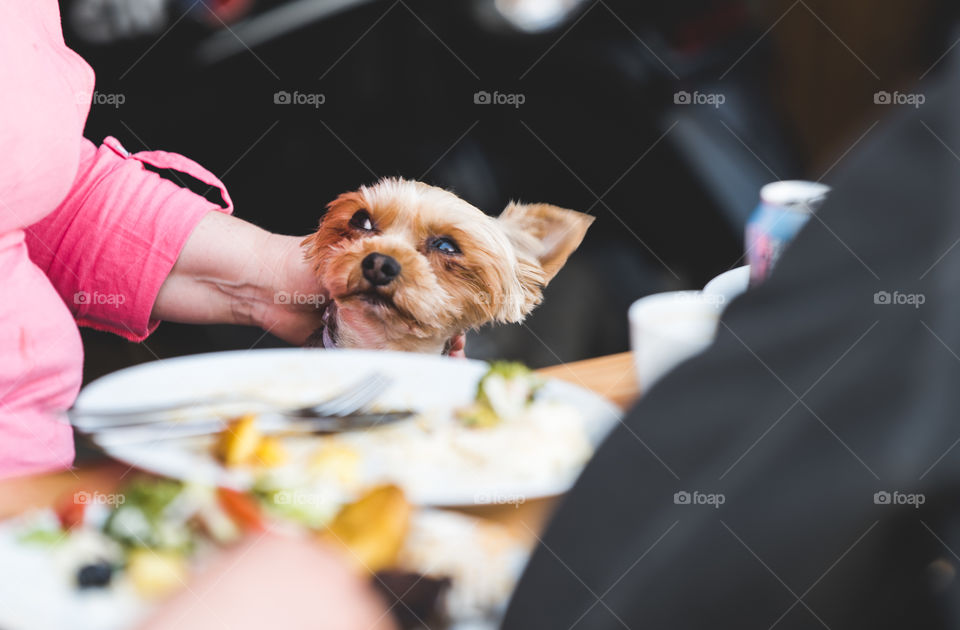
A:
(699, 98)
(883, 497)
(899, 98)
(299, 98)
(498, 98)
(696, 497)
(899, 299)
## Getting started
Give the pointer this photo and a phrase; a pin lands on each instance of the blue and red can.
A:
(785, 207)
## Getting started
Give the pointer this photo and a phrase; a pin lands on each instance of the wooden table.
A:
(611, 376)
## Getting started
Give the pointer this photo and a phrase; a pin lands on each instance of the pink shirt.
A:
(87, 235)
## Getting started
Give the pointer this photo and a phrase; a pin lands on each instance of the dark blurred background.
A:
(600, 128)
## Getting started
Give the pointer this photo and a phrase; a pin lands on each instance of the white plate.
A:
(434, 385)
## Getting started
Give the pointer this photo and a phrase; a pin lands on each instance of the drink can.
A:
(785, 207)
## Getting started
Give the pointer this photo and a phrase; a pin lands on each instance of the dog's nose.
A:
(380, 269)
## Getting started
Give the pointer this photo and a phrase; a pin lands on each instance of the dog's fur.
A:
(498, 275)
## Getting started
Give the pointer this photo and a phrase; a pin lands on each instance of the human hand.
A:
(298, 299)
(232, 272)
(274, 582)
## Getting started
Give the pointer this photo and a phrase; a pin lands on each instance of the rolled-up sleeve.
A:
(114, 238)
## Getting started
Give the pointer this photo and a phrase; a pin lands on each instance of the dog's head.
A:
(408, 266)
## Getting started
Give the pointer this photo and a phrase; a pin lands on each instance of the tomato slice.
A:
(242, 508)
(70, 509)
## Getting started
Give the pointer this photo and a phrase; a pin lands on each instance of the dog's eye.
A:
(444, 244)
(362, 221)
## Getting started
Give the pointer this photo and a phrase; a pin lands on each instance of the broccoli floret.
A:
(138, 521)
(478, 415)
(507, 370)
(502, 393)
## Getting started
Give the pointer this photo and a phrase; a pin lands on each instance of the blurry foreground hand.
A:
(274, 582)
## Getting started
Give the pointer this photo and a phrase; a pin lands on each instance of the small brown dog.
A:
(408, 266)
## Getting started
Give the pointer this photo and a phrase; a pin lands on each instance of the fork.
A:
(343, 412)
(348, 401)
(324, 425)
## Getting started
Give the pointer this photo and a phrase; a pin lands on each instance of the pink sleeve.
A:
(113, 240)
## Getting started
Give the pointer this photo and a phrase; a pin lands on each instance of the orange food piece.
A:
(242, 508)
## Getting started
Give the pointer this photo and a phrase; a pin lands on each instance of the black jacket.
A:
(825, 386)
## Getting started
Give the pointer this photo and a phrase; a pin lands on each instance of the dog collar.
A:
(323, 337)
(326, 337)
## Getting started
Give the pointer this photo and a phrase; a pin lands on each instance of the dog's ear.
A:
(545, 233)
(317, 244)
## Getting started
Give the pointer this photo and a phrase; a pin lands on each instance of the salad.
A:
(114, 556)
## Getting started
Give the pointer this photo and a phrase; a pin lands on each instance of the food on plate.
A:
(95, 574)
(372, 528)
(270, 452)
(508, 388)
(242, 508)
(362, 490)
(305, 506)
(130, 553)
(504, 393)
(337, 462)
(238, 442)
(156, 574)
(70, 511)
(41, 536)
(514, 434)
(241, 442)
(143, 519)
(154, 530)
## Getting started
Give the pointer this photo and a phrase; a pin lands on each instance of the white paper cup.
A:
(667, 328)
(729, 284)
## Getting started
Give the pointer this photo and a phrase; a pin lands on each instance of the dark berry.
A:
(94, 575)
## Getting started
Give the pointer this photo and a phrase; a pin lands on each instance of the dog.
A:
(408, 266)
